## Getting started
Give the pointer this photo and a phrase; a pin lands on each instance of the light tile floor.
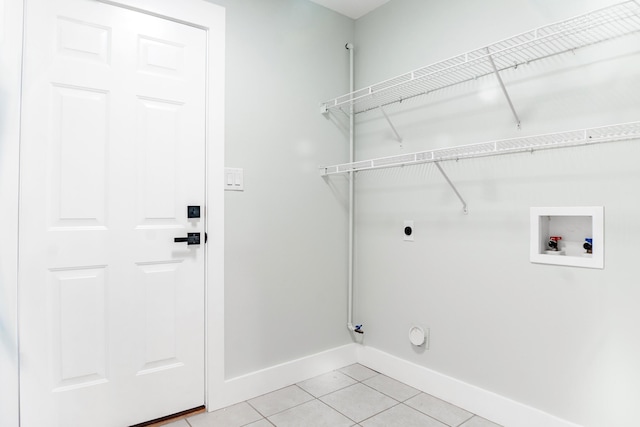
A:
(351, 396)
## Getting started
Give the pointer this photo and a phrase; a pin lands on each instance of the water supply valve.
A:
(553, 243)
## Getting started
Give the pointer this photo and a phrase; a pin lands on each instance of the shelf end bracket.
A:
(503, 87)
(455, 190)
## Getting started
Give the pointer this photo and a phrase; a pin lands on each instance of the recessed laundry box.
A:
(572, 236)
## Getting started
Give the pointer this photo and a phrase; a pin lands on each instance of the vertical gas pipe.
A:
(350, 325)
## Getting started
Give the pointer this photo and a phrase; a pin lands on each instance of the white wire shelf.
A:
(564, 36)
(611, 133)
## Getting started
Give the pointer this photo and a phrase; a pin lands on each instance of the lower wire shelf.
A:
(573, 138)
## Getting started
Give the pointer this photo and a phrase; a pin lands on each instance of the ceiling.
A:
(354, 9)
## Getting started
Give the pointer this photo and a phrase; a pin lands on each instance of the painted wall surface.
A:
(560, 339)
(10, 32)
(285, 235)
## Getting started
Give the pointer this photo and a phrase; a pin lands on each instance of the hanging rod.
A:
(610, 133)
(563, 36)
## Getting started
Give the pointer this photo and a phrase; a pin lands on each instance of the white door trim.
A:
(11, 27)
(211, 18)
(198, 13)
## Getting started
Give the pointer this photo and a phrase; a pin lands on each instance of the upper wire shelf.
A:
(583, 30)
(619, 132)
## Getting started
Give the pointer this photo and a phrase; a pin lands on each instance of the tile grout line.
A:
(465, 421)
(365, 385)
(333, 391)
(368, 418)
(398, 402)
(279, 412)
(391, 397)
(331, 407)
(263, 418)
(357, 381)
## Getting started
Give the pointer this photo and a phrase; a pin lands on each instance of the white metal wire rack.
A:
(543, 42)
(618, 132)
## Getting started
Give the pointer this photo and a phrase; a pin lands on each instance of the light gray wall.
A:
(560, 339)
(285, 235)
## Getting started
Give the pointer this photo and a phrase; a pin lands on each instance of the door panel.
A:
(74, 139)
(160, 287)
(83, 40)
(159, 123)
(79, 327)
(112, 153)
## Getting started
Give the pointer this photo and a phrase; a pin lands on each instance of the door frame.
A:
(198, 13)
(11, 27)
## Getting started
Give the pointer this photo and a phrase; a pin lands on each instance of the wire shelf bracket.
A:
(503, 87)
(453, 187)
(393, 128)
(543, 42)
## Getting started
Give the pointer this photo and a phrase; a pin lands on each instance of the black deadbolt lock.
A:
(408, 230)
(193, 211)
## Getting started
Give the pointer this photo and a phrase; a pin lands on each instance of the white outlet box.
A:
(408, 236)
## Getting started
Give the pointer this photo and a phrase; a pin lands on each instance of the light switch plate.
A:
(233, 179)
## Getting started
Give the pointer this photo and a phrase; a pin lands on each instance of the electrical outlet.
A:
(408, 231)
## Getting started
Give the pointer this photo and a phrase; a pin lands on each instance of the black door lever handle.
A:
(191, 239)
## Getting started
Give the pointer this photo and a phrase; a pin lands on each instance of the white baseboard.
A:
(492, 406)
(257, 383)
(484, 403)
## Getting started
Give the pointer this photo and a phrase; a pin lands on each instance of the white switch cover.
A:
(233, 179)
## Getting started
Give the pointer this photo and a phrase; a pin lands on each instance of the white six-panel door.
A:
(112, 153)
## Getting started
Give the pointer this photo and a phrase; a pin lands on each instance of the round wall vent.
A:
(416, 335)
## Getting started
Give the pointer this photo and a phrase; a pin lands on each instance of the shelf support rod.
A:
(504, 89)
(455, 190)
(393, 128)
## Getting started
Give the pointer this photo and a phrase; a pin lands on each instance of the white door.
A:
(112, 154)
